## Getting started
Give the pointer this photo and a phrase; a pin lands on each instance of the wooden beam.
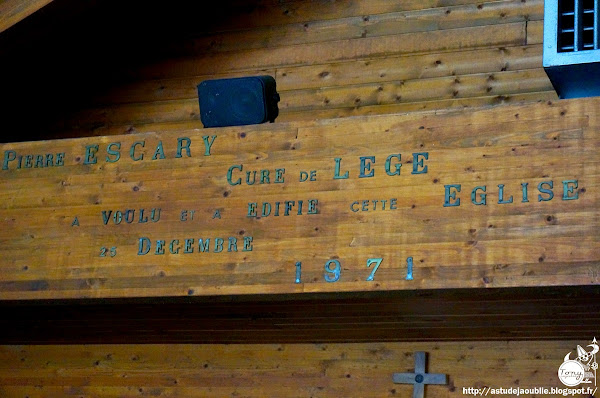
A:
(434, 315)
(526, 177)
(14, 11)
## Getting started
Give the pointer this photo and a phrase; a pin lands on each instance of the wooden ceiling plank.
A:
(14, 11)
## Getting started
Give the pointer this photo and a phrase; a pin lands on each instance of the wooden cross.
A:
(420, 378)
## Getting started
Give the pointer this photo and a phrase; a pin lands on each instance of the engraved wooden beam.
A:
(504, 197)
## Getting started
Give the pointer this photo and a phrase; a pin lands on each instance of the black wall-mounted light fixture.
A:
(238, 101)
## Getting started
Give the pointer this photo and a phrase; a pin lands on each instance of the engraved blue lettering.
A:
(9, 156)
(248, 177)
(365, 166)
(232, 246)
(189, 246)
(312, 206)
(397, 166)
(482, 197)
(277, 208)
(60, 159)
(252, 209)
(333, 274)
(547, 191)
(298, 271)
(208, 142)
(568, 189)
(49, 162)
(230, 172)
(117, 217)
(288, 206)
(183, 143)
(142, 219)
(279, 176)
(266, 209)
(247, 244)
(155, 215)
(336, 173)
(106, 216)
(203, 245)
(129, 215)
(524, 186)
(113, 152)
(144, 246)
(355, 203)
(418, 167)
(160, 152)
(172, 247)
(451, 195)
(501, 195)
(90, 154)
(160, 247)
(132, 151)
(409, 269)
(39, 161)
(218, 245)
(365, 205)
(264, 177)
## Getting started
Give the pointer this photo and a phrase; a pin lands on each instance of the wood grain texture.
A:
(13, 11)
(528, 242)
(336, 74)
(269, 13)
(364, 98)
(331, 59)
(535, 32)
(337, 50)
(363, 25)
(272, 370)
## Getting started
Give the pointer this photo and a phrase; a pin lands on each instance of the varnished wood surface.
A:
(273, 370)
(13, 11)
(534, 243)
(330, 60)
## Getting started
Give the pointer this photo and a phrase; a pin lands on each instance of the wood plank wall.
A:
(276, 370)
(336, 58)
(331, 59)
